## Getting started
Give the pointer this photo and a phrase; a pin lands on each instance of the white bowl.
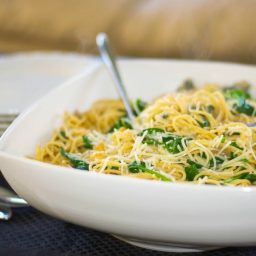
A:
(151, 214)
(25, 77)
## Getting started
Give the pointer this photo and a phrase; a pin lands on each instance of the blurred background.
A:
(192, 29)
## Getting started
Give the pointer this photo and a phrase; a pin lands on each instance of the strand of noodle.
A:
(209, 152)
(223, 148)
(252, 151)
(104, 166)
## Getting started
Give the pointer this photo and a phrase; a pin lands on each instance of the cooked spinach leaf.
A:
(121, 122)
(140, 105)
(223, 139)
(235, 133)
(234, 93)
(151, 137)
(171, 142)
(165, 116)
(151, 131)
(232, 155)
(218, 161)
(75, 160)
(240, 96)
(203, 155)
(114, 168)
(204, 122)
(63, 134)
(87, 142)
(234, 144)
(136, 167)
(248, 176)
(191, 162)
(192, 170)
(122, 111)
(243, 107)
(210, 108)
(187, 85)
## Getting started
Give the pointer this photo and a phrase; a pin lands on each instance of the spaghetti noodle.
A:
(193, 135)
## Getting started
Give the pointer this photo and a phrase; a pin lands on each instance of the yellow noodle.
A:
(215, 141)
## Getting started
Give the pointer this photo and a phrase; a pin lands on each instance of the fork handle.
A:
(13, 202)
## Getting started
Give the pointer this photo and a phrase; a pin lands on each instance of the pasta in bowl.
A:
(197, 135)
(136, 180)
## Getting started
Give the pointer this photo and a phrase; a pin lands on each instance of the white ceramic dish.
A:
(151, 214)
(25, 77)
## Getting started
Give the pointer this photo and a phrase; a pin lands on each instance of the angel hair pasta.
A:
(198, 135)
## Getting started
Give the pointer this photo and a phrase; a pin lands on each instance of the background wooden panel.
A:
(200, 29)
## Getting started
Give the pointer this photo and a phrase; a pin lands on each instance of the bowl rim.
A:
(107, 177)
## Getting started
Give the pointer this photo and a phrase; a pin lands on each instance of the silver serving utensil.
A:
(110, 62)
(5, 213)
(10, 199)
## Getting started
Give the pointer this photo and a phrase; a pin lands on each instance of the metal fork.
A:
(7, 198)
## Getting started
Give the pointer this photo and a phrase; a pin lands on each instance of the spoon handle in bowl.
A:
(110, 62)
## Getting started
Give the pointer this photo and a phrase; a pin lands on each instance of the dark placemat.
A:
(32, 233)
